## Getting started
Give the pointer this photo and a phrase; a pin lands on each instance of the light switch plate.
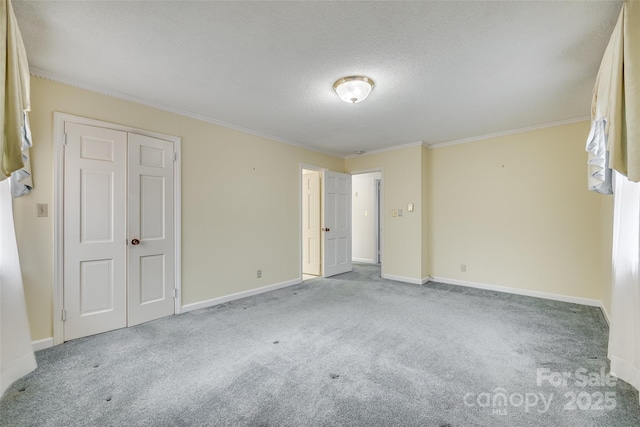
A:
(410, 207)
(399, 212)
(394, 212)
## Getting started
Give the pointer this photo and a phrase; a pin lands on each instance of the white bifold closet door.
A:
(118, 230)
(151, 208)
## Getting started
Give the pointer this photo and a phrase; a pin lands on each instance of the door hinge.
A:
(64, 139)
(175, 292)
(175, 156)
(64, 315)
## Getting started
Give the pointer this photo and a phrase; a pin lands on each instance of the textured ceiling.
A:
(444, 71)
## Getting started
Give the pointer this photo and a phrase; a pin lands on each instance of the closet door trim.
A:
(59, 120)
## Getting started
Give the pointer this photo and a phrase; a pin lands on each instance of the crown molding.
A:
(36, 72)
(509, 132)
(385, 150)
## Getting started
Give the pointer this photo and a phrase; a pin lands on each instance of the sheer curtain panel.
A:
(624, 333)
(16, 351)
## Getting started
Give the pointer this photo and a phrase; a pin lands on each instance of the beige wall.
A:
(516, 210)
(401, 181)
(240, 200)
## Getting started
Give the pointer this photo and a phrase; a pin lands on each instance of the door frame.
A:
(59, 120)
(320, 205)
(378, 214)
(380, 222)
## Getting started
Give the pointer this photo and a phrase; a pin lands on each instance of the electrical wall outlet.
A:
(463, 267)
(259, 274)
(42, 209)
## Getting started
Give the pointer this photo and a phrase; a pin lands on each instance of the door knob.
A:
(135, 242)
(326, 229)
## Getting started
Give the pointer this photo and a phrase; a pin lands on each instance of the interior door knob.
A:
(326, 229)
(135, 242)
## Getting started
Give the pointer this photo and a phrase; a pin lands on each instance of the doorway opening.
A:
(325, 222)
(366, 217)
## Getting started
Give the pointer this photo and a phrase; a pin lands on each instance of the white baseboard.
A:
(525, 292)
(238, 295)
(403, 279)
(363, 260)
(48, 342)
(42, 344)
(606, 313)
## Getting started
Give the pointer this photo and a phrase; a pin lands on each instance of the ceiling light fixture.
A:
(353, 89)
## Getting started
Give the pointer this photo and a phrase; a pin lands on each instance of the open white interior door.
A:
(311, 223)
(336, 223)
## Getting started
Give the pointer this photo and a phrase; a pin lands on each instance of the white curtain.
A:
(16, 351)
(624, 334)
(614, 155)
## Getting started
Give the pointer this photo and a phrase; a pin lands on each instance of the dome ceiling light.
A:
(353, 89)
